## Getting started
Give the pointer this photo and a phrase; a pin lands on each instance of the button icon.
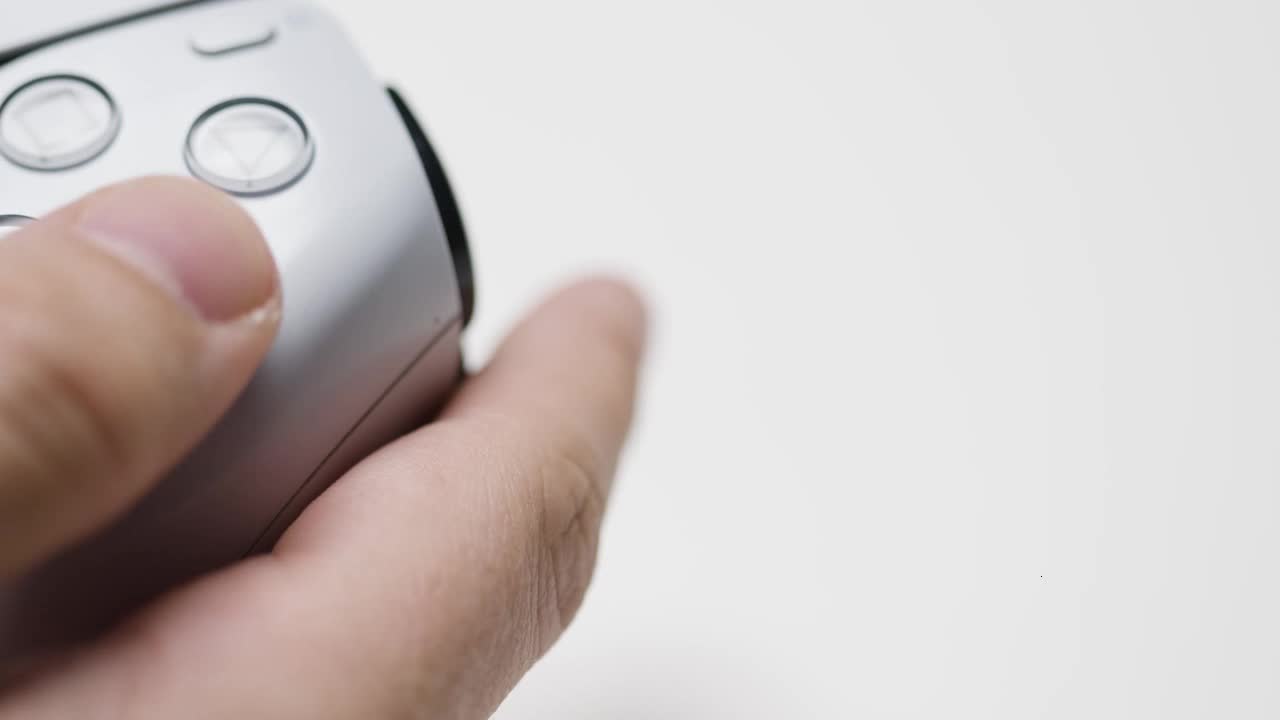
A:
(250, 146)
(57, 122)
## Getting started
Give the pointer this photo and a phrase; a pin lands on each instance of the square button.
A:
(57, 122)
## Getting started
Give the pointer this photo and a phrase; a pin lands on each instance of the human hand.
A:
(422, 585)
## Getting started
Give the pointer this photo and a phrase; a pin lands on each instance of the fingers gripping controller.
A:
(372, 255)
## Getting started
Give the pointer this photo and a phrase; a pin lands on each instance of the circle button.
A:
(250, 146)
(57, 122)
(11, 223)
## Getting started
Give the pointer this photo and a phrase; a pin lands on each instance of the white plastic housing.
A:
(372, 309)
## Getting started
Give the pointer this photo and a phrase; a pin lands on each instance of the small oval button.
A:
(225, 38)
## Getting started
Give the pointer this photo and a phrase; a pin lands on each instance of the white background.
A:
(963, 400)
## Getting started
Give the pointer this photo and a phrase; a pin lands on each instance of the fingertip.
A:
(189, 237)
(573, 363)
(131, 320)
(614, 304)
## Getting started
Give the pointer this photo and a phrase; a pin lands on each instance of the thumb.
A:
(129, 322)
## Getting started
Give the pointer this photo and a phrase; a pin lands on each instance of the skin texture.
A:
(424, 584)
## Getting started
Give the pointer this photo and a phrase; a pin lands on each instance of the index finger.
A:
(475, 539)
(457, 556)
(514, 476)
(427, 581)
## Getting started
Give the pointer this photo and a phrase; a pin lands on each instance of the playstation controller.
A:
(268, 101)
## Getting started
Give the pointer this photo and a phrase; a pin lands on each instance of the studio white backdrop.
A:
(965, 391)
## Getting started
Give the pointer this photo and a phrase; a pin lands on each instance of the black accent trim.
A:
(15, 53)
(454, 229)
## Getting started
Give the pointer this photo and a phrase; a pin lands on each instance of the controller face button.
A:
(57, 122)
(10, 223)
(250, 146)
(225, 38)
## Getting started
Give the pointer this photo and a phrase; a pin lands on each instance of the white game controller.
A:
(269, 101)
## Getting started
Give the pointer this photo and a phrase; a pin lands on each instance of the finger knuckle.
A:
(49, 408)
(571, 511)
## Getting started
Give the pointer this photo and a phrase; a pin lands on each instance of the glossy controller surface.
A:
(369, 344)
